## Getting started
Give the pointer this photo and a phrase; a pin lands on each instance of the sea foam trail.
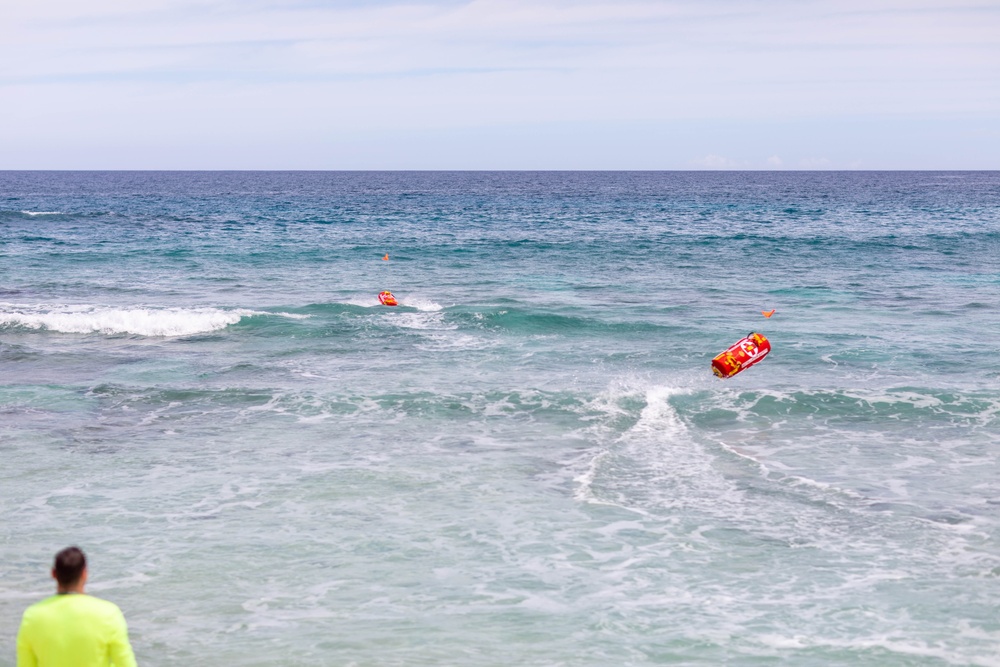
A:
(660, 454)
(138, 321)
(421, 304)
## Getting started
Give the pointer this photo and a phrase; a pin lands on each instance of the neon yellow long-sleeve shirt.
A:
(73, 630)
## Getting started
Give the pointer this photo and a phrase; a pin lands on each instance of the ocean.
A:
(529, 460)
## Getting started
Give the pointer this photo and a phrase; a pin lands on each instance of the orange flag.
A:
(386, 258)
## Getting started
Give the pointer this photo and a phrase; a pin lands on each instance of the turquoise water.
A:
(529, 461)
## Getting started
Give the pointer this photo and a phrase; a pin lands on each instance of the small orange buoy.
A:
(387, 299)
(767, 313)
(741, 355)
(386, 258)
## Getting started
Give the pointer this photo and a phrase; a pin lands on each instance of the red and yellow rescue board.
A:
(741, 355)
(387, 299)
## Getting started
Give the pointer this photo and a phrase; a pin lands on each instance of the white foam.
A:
(659, 443)
(659, 416)
(445, 341)
(421, 304)
(899, 647)
(420, 321)
(585, 481)
(424, 305)
(139, 321)
(33, 213)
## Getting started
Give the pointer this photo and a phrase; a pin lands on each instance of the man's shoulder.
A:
(40, 606)
(55, 603)
(98, 604)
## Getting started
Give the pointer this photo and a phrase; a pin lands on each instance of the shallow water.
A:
(528, 461)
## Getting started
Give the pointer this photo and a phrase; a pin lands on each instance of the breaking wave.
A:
(138, 321)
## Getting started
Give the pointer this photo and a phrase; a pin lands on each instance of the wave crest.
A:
(137, 321)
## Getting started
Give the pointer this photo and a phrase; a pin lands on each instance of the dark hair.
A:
(69, 566)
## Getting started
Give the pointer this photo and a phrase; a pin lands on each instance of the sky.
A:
(500, 84)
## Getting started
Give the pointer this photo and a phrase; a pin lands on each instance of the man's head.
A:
(70, 568)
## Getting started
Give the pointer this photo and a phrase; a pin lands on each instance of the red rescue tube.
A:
(387, 299)
(743, 354)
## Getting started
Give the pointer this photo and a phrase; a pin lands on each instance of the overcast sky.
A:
(500, 84)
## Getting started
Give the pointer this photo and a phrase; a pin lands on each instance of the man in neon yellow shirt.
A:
(72, 629)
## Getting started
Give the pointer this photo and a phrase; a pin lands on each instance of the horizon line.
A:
(488, 171)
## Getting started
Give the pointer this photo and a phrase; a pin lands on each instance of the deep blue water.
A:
(528, 461)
